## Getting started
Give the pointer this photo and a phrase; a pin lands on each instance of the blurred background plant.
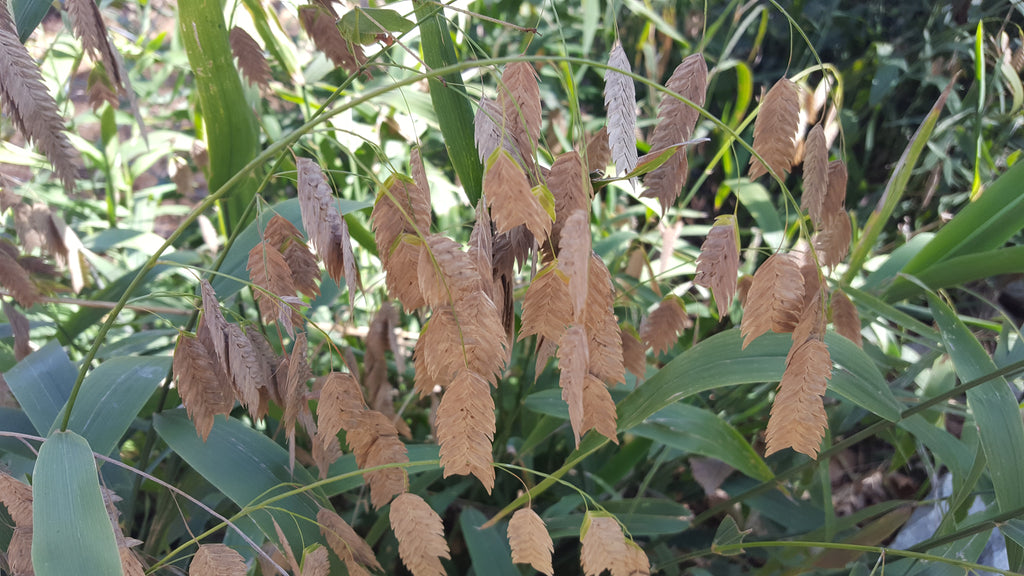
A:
(932, 192)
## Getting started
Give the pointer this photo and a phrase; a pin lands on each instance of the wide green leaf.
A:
(42, 383)
(247, 467)
(15, 420)
(994, 406)
(71, 531)
(27, 15)
(111, 397)
(488, 549)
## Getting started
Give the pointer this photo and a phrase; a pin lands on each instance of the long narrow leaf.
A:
(42, 383)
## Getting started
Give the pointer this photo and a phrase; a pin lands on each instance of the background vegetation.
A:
(925, 418)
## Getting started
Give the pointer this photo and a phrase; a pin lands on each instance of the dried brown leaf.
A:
(386, 483)
(510, 199)
(661, 328)
(465, 428)
(27, 102)
(99, 90)
(89, 27)
(710, 473)
(620, 102)
(202, 392)
(846, 318)
(547, 308)
(832, 242)
(816, 169)
(344, 541)
(319, 23)
(420, 535)
(217, 560)
(604, 546)
(634, 354)
(776, 298)
(530, 542)
(573, 360)
(719, 262)
(775, 130)
(251, 61)
(438, 352)
(487, 131)
(798, 418)
(598, 408)
(676, 122)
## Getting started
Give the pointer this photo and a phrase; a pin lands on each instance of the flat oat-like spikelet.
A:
(283, 235)
(676, 122)
(634, 354)
(604, 546)
(249, 373)
(327, 230)
(438, 353)
(446, 273)
(420, 535)
(251, 61)
(845, 318)
(620, 102)
(519, 99)
(25, 99)
(481, 247)
(465, 428)
(832, 242)
(344, 541)
(547, 309)
(574, 259)
(798, 419)
(719, 262)
(217, 560)
(530, 542)
(570, 186)
(835, 196)
(387, 482)
(401, 208)
(599, 153)
(17, 281)
(487, 132)
(319, 24)
(573, 359)
(816, 169)
(775, 130)
(634, 563)
(19, 551)
(509, 197)
(661, 328)
(602, 326)
(275, 289)
(598, 408)
(201, 391)
(775, 299)
(17, 498)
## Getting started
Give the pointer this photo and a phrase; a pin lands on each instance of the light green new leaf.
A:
(247, 467)
(71, 531)
(994, 406)
(728, 534)
(42, 383)
(362, 25)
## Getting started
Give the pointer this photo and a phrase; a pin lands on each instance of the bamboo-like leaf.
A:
(620, 102)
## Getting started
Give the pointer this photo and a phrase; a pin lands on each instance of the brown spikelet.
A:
(25, 99)
(620, 102)
(573, 358)
(832, 242)
(213, 328)
(344, 541)
(20, 329)
(465, 428)
(598, 408)
(341, 399)
(249, 373)
(487, 131)
(446, 273)
(294, 394)
(519, 99)
(798, 419)
(835, 196)
(438, 352)
(809, 272)
(401, 208)
(719, 262)
(547, 309)
(285, 547)
(16, 280)
(574, 259)
(274, 289)
(319, 24)
(89, 27)
(32, 224)
(634, 563)
(816, 169)
(318, 563)
(605, 345)
(530, 542)
(634, 354)
(99, 90)
(845, 318)
(604, 546)
(743, 289)
(217, 560)
(509, 197)
(775, 130)
(570, 186)
(599, 154)
(251, 61)
(19, 551)
(676, 122)
(17, 498)
(661, 328)
(481, 247)
(775, 299)
(420, 535)
(385, 483)
(328, 232)
(201, 391)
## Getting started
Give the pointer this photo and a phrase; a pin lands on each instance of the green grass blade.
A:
(71, 531)
(112, 396)
(994, 406)
(42, 384)
(894, 189)
(451, 103)
(979, 80)
(488, 549)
